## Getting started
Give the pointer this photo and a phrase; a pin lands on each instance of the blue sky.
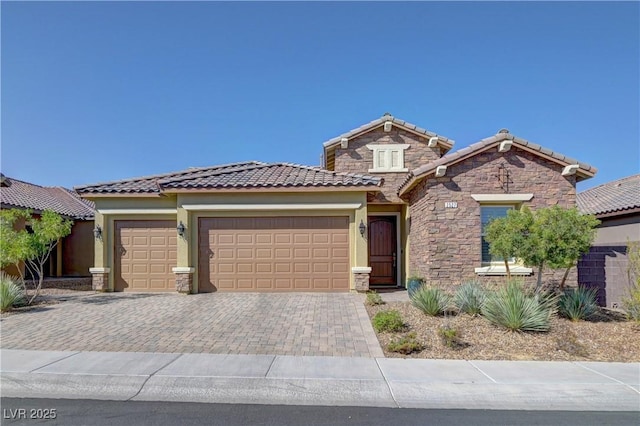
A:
(96, 91)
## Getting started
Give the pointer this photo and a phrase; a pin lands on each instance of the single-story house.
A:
(389, 201)
(74, 254)
(605, 267)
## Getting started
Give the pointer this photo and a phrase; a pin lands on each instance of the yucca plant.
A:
(430, 300)
(516, 309)
(470, 297)
(578, 304)
(10, 292)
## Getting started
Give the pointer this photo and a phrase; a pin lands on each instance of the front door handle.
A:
(394, 259)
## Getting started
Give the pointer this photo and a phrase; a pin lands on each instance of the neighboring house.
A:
(387, 203)
(74, 254)
(605, 267)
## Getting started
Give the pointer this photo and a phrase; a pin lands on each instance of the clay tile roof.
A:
(15, 193)
(273, 175)
(501, 136)
(149, 184)
(618, 196)
(238, 175)
(379, 121)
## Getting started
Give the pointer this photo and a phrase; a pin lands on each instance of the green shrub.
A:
(516, 309)
(470, 297)
(430, 300)
(578, 304)
(11, 293)
(388, 321)
(449, 336)
(405, 345)
(631, 303)
(374, 298)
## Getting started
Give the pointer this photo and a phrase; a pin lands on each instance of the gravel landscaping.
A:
(606, 337)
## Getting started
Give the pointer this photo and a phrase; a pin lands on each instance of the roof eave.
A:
(351, 188)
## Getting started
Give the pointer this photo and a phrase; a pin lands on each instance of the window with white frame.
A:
(487, 213)
(388, 157)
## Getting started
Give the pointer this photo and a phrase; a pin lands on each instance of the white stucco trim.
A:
(183, 270)
(99, 270)
(361, 270)
(232, 207)
(501, 270)
(495, 198)
(137, 211)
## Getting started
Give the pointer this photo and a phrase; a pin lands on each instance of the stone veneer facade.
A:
(357, 158)
(445, 245)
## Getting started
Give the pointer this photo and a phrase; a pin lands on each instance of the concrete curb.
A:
(268, 379)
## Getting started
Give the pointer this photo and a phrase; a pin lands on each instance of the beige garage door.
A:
(274, 254)
(145, 252)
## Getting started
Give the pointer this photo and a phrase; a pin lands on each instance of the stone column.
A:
(100, 278)
(361, 278)
(184, 279)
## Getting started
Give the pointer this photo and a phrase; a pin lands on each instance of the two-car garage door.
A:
(273, 254)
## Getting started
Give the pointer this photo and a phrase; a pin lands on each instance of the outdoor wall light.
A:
(181, 228)
(362, 228)
(97, 232)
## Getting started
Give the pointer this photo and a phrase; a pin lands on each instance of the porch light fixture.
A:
(97, 232)
(181, 228)
(362, 228)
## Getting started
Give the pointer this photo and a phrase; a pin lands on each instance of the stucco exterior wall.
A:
(357, 158)
(77, 250)
(445, 244)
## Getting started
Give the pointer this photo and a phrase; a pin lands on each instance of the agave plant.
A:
(516, 309)
(470, 297)
(430, 300)
(10, 292)
(578, 304)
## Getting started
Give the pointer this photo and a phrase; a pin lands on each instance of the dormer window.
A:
(388, 158)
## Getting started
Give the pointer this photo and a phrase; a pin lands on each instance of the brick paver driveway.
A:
(249, 323)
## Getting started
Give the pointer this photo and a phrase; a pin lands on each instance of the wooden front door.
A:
(383, 258)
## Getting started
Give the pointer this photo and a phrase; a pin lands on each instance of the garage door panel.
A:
(145, 251)
(286, 254)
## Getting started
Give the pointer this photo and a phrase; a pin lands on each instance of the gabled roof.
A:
(619, 197)
(444, 142)
(15, 193)
(584, 170)
(239, 176)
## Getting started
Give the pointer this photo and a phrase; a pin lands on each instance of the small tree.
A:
(33, 248)
(564, 235)
(13, 243)
(506, 235)
(553, 237)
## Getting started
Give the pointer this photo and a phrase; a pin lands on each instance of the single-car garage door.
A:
(145, 252)
(273, 254)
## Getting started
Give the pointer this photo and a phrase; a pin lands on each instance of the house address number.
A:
(451, 205)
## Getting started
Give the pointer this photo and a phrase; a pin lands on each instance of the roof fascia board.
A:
(276, 189)
(137, 211)
(253, 207)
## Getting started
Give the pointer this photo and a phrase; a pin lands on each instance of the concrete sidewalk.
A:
(267, 379)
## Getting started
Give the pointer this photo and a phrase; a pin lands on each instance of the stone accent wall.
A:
(605, 268)
(184, 282)
(445, 243)
(100, 281)
(362, 281)
(357, 158)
